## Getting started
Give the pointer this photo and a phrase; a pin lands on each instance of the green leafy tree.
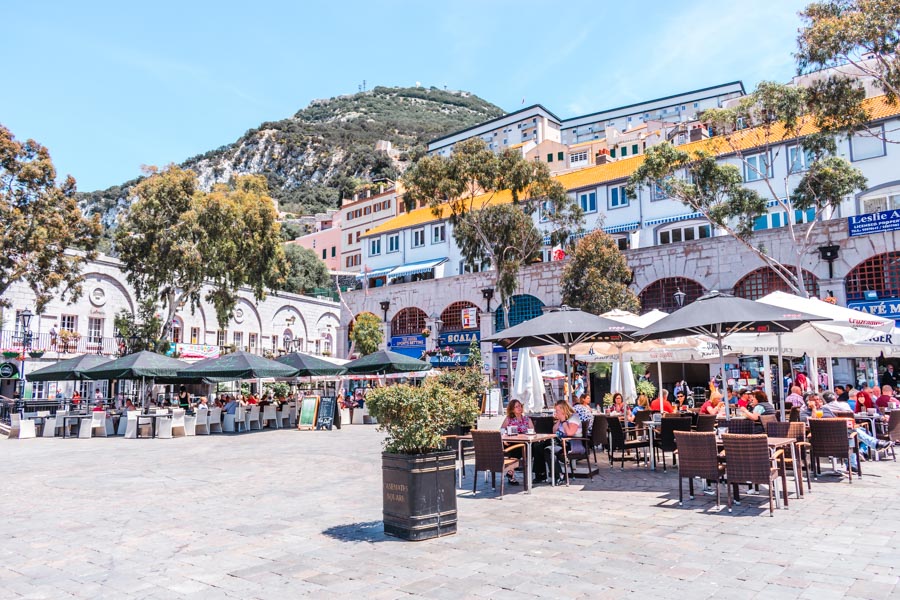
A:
(596, 276)
(304, 270)
(145, 328)
(175, 238)
(755, 131)
(470, 380)
(366, 335)
(46, 240)
(470, 185)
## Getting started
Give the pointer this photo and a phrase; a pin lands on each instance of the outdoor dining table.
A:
(73, 417)
(523, 438)
(154, 417)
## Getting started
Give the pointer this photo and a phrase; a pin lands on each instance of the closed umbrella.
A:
(71, 369)
(384, 362)
(528, 385)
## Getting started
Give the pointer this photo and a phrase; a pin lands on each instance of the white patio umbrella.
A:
(528, 386)
(622, 380)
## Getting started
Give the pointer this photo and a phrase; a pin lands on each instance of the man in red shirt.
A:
(667, 407)
(886, 397)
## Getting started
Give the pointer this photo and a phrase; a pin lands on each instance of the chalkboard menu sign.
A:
(307, 416)
(325, 415)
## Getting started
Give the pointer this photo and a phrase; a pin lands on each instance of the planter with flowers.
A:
(11, 354)
(36, 353)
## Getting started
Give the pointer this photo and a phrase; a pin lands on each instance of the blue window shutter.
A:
(761, 222)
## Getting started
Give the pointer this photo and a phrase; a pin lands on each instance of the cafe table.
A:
(77, 418)
(523, 438)
(153, 418)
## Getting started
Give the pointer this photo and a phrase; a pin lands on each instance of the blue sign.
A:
(887, 220)
(888, 308)
(409, 345)
(455, 360)
(459, 338)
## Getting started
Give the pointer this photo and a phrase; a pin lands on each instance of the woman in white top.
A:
(567, 424)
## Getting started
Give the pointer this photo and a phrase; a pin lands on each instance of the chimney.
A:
(368, 193)
(381, 188)
(355, 197)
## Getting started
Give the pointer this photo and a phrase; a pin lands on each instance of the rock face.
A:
(328, 149)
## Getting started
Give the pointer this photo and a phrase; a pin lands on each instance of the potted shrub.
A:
(36, 353)
(418, 471)
(10, 354)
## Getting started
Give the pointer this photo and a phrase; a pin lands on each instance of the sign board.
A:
(888, 308)
(409, 345)
(455, 360)
(886, 220)
(196, 351)
(470, 318)
(325, 413)
(459, 338)
(9, 370)
(307, 416)
(494, 403)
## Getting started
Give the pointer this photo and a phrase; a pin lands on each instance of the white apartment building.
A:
(532, 124)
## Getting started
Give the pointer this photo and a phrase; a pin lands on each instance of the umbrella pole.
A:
(829, 370)
(722, 371)
(568, 378)
(621, 374)
(659, 375)
(782, 395)
(814, 371)
(767, 377)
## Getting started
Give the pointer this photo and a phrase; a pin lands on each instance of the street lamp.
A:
(25, 321)
(679, 298)
(385, 307)
(488, 294)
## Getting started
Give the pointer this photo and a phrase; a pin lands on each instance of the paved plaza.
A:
(279, 514)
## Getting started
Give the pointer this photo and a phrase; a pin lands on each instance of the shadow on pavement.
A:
(368, 531)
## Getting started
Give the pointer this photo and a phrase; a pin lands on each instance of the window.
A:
(758, 167)
(634, 149)
(549, 157)
(763, 281)
(684, 233)
(324, 253)
(393, 242)
(799, 159)
(612, 152)
(68, 322)
(195, 335)
(624, 151)
(881, 203)
(588, 202)
(333, 251)
(660, 294)
(578, 157)
(623, 242)
(238, 337)
(418, 238)
(95, 330)
(349, 238)
(657, 192)
(221, 336)
(867, 144)
(368, 210)
(618, 197)
(375, 247)
(560, 156)
(252, 339)
(438, 234)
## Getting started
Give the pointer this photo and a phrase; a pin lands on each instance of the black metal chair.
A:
(619, 440)
(490, 455)
(667, 441)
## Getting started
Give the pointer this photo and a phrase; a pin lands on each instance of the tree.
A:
(596, 276)
(460, 187)
(145, 327)
(175, 238)
(304, 270)
(854, 38)
(755, 131)
(46, 239)
(367, 334)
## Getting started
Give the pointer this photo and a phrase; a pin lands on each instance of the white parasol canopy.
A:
(528, 385)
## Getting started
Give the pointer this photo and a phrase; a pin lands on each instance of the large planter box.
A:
(419, 495)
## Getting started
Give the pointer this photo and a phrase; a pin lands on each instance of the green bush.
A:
(414, 418)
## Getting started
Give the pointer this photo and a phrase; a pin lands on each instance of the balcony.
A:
(41, 342)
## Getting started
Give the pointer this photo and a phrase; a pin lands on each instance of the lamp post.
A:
(25, 321)
(385, 307)
(679, 298)
(488, 294)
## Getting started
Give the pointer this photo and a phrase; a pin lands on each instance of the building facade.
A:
(325, 239)
(360, 214)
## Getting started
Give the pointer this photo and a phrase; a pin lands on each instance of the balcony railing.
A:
(41, 342)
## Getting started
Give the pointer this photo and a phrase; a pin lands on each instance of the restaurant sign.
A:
(196, 351)
(888, 308)
(9, 371)
(886, 220)
(459, 338)
(409, 342)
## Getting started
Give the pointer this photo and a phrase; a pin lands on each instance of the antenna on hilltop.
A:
(362, 86)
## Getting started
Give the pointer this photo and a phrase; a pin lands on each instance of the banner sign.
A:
(887, 220)
(411, 342)
(195, 351)
(455, 360)
(888, 308)
(459, 338)
(470, 318)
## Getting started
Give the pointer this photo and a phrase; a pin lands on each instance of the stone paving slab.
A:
(278, 514)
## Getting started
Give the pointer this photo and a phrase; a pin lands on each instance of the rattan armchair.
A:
(621, 439)
(892, 433)
(749, 460)
(706, 423)
(667, 442)
(490, 455)
(830, 438)
(741, 426)
(698, 458)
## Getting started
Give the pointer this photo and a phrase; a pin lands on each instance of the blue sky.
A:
(109, 86)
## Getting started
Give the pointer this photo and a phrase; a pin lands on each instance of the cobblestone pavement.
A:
(285, 513)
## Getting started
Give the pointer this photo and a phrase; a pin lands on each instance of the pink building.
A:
(325, 241)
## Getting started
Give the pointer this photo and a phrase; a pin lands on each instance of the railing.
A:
(42, 342)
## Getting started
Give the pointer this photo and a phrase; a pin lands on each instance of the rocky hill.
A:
(328, 149)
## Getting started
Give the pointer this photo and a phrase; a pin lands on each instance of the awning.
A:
(415, 268)
(675, 219)
(374, 273)
(634, 226)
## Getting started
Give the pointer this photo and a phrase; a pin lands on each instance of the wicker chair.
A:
(830, 438)
(706, 423)
(767, 419)
(599, 433)
(580, 451)
(892, 434)
(618, 440)
(699, 458)
(741, 426)
(777, 428)
(642, 416)
(748, 460)
(794, 415)
(667, 441)
(795, 431)
(490, 455)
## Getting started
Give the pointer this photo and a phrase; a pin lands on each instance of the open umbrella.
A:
(237, 365)
(71, 369)
(309, 366)
(553, 374)
(718, 315)
(384, 362)
(564, 328)
(135, 366)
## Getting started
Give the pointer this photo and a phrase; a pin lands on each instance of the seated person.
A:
(515, 417)
(583, 410)
(231, 407)
(795, 398)
(842, 392)
(203, 404)
(666, 406)
(813, 405)
(618, 404)
(680, 401)
(866, 439)
(886, 397)
(713, 406)
(833, 404)
(98, 406)
(642, 404)
(567, 424)
(251, 399)
(129, 406)
(743, 398)
(864, 400)
(757, 405)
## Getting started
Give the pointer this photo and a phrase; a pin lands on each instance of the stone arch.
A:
(298, 327)
(660, 295)
(451, 317)
(126, 293)
(522, 307)
(756, 284)
(409, 321)
(879, 273)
